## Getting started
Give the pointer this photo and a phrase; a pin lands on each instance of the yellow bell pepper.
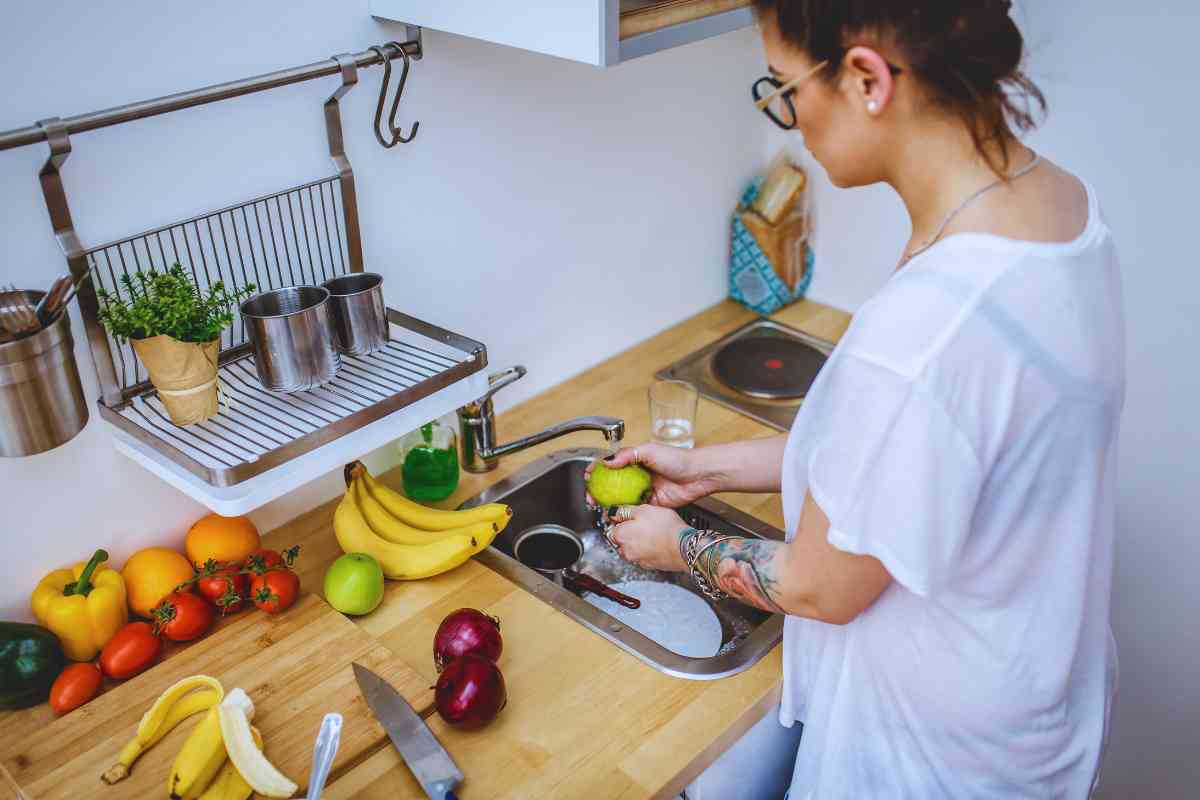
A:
(83, 605)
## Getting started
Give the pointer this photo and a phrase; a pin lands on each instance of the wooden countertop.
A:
(584, 719)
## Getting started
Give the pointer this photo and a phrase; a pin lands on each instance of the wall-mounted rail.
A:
(80, 123)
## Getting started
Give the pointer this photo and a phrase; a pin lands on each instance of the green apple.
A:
(619, 487)
(354, 584)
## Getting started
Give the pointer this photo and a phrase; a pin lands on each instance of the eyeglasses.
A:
(773, 97)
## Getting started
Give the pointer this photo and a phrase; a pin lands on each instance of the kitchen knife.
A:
(431, 765)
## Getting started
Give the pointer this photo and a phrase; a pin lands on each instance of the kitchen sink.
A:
(550, 490)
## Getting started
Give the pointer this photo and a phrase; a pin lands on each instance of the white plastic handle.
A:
(326, 747)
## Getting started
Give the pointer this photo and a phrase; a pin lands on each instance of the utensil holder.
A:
(359, 316)
(41, 399)
(292, 337)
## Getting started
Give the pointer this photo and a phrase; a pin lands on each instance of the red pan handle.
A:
(590, 584)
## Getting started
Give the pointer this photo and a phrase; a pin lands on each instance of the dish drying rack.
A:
(261, 444)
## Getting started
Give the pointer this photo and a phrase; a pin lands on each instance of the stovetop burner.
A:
(763, 370)
(770, 367)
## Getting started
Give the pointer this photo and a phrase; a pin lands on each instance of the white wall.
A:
(1119, 78)
(540, 198)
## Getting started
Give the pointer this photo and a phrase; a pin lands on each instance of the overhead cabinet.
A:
(600, 32)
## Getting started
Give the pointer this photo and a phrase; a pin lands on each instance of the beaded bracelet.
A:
(693, 553)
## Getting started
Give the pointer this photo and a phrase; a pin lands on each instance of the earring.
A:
(872, 106)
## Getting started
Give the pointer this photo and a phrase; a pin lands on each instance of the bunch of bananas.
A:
(409, 540)
(222, 757)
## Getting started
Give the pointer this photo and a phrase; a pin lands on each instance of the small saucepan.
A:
(553, 550)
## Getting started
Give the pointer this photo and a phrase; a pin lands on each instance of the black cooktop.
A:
(762, 370)
(770, 367)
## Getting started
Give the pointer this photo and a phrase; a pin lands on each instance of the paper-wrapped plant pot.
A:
(185, 374)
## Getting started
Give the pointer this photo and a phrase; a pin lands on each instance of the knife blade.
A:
(431, 765)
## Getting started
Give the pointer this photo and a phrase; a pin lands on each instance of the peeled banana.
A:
(200, 759)
(429, 519)
(395, 530)
(403, 561)
(229, 783)
(186, 697)
(234, 713)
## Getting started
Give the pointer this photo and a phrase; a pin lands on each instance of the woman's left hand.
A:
(649, 536)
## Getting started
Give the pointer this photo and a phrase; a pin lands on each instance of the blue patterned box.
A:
(752, 281)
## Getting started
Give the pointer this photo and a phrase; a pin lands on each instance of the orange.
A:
(221, 539)
(151, 574)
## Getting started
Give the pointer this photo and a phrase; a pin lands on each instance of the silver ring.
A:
(636, 460)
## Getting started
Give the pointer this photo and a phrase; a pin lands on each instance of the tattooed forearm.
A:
(746, 569)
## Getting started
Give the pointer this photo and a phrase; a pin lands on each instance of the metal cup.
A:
(554, 550)
(358, 312)
(290, 330)
(41, 399)
(550, 549)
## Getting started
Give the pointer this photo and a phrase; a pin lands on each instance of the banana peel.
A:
(229, 783)
(186, 697)
(234, 715)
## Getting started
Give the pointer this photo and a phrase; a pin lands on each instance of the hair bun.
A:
(982, 44)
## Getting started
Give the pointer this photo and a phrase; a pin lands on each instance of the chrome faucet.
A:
(477, 427)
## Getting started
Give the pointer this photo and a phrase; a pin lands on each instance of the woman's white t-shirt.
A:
(964, 432)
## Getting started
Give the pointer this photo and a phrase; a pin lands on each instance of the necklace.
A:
(930, 242)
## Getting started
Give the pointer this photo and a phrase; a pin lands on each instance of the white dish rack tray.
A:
(263, 444)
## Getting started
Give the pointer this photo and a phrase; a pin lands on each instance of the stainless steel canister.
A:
(359, 315)
(41, 399)
(290, 331)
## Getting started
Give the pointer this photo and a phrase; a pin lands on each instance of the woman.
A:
(949, 482)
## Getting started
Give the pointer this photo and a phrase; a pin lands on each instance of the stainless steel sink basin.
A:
(550, 490)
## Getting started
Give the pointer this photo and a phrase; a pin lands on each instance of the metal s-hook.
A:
(395, 136)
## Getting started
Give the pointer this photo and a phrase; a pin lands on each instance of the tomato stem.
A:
(265, 595)
(163, 614)
(254, 565)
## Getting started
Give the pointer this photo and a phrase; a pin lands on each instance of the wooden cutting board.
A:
(295, 666)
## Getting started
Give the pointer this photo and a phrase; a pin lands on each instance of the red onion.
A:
(470, 692)
(467, 632)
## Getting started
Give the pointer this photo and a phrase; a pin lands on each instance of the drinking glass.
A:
(673, 412)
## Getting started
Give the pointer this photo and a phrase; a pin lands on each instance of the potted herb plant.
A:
(175, 328)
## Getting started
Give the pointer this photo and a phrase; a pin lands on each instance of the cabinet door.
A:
(601, 32)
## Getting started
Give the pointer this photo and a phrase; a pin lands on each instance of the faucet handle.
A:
(498, 380)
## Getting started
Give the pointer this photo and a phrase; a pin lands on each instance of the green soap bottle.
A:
(429, 461)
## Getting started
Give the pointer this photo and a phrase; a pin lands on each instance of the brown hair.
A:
(967, 52)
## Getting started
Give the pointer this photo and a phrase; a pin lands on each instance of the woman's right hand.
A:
(678, 477)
